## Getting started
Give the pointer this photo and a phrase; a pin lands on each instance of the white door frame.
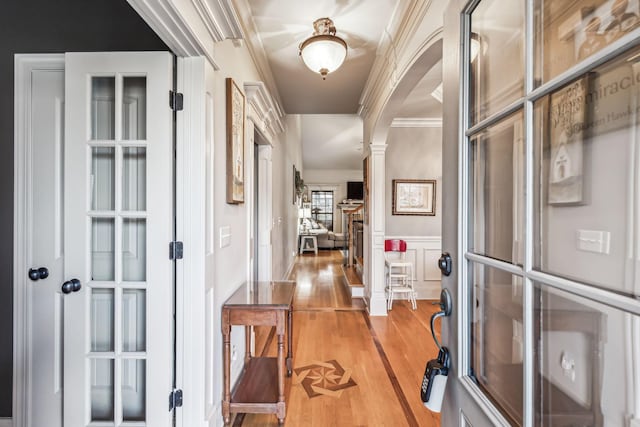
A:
(265, 213)
(193, 39)
(192, 344)
(22, 219)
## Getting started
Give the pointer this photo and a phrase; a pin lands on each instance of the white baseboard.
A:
(292, 264)
(357, 292)
(5, 422)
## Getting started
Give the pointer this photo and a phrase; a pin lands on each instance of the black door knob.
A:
(38, 273)
(72, 285)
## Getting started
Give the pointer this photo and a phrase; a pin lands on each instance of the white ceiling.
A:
(332, 133)
(332, 141)
(283, 24)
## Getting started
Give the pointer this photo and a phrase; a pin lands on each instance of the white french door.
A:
(118, 222)
(542, 212)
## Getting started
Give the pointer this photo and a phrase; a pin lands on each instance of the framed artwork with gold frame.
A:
(235, 143)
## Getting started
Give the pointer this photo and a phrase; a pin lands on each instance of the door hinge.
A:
(176, 100)
(175, 399)
(175, 250)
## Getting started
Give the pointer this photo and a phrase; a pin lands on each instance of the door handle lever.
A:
(445, 310)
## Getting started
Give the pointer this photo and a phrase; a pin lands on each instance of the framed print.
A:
(566, 122)
(414, 197)
(235, 143)
(296, 183)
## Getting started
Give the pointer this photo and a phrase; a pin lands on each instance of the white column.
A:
(374, 232)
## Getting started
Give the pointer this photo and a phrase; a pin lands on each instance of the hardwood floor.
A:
(360, 371)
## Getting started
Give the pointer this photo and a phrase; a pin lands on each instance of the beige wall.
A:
(231, 262)
(413, 153)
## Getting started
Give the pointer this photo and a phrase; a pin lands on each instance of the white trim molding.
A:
(423, 252)
(374, 230)
(191, 297)
(429, 122)
(190, 27)
(384, 74)
(264, 111)
(221, 22)
(256, 49)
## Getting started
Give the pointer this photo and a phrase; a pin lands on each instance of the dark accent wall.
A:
(46, 26)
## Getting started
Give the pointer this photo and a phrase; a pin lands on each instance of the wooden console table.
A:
(260, 388)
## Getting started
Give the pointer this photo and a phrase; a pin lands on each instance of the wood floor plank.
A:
(329, 327)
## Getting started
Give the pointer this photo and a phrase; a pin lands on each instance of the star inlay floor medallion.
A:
(324, 379)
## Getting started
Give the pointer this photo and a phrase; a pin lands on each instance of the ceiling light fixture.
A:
(323, 52)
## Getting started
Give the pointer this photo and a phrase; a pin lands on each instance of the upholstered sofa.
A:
(326, 239)
(331, 240)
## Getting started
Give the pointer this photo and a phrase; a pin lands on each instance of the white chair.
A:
(399, 272)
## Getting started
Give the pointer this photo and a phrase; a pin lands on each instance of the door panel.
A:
(47, 239)
(118, 219)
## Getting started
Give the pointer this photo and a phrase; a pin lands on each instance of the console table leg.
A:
(226, 355)
(290, 341)
(280, 407)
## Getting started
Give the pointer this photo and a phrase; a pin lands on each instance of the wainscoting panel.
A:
(424, 252)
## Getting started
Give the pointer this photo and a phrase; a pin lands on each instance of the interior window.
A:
(322, 208)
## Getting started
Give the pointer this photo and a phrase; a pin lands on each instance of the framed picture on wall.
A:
(235, 143)
(414, 197)
(566, 163)
(294, 185)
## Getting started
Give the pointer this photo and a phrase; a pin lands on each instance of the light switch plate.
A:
(594, 241)
(225, 236)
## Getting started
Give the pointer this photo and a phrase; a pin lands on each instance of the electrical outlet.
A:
(234, 353)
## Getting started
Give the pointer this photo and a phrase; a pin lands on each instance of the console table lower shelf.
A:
(257, 389)
(260, 388)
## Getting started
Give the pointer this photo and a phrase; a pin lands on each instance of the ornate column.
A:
(374, 232)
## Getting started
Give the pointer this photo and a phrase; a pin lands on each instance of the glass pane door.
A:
(118, 248)
(118, 370)
(551, 213)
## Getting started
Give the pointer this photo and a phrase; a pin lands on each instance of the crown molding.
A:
(384, 73)
(430, 122)
(167, 19)
(220, 19)
(267, 117)
(190, 27)
(256, 49)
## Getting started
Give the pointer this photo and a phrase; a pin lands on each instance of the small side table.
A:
(312, 240)
(260, 388)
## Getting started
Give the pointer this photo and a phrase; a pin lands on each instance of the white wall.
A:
(413, 153)
(285, 213)
(231, 262)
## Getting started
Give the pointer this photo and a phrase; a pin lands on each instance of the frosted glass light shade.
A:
(323, 54)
